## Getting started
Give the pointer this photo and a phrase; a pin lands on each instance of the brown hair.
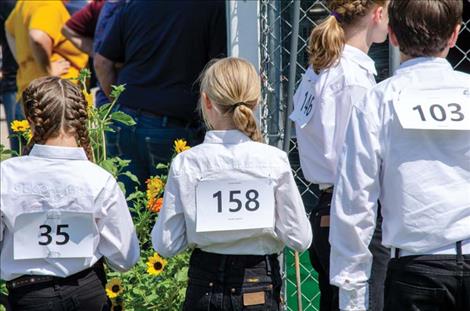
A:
(53, 105)
(233, 85)
(423, 28)
(327, 40)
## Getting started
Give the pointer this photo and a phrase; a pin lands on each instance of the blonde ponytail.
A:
(327, 40)
(326, 43)
(233, 86)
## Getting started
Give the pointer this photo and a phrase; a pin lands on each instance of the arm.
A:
(169, 232)
(105, 72)
(292, 225)
(118, 239)
(85, 44)
(353, 211)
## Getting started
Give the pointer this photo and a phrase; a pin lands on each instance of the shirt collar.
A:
(56, 152)
(225, 137)
(418, 62)
(360, 58)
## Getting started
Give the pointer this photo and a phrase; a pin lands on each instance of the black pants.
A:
(81, 291)
(233, 282)
(428, 283)
(320, 258)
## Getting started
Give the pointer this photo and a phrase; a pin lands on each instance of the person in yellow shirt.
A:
(34, 35)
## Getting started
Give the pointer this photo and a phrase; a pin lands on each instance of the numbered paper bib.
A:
(445, 109)
(304, 99)
(53, 234)
(234, 205)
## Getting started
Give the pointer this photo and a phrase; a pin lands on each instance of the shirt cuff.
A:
(356, 299)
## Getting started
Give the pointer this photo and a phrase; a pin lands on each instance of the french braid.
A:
(53, 105)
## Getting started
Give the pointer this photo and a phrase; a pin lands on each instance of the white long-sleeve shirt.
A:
(420, 176)
(230, 155)
(322, 106)
(58, 180)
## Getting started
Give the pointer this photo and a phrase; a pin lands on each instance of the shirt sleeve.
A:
(169, 232)
(353, 211)
(9, 23)
(47, 18)
(292, 225)
(112, 46)
(118, 238)
(84, 21)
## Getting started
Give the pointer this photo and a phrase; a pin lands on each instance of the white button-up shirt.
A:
(421, 177)
(61, 176)
(320, 136)
(230, 155)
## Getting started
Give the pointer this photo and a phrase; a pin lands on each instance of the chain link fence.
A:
(276, 23)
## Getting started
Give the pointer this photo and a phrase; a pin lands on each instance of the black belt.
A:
(27, 280)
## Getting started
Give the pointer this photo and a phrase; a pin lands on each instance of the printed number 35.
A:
(47, 231)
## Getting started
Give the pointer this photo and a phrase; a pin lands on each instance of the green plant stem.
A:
(20, 147)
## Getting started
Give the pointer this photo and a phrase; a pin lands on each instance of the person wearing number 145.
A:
(60, 214)
(233, 200)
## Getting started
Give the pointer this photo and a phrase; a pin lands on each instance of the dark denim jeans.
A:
(83, 291)
(320, 259)
(13, 112)
(233, 282)
(428, 283)
(146, 144)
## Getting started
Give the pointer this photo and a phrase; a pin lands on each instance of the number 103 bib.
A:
(443, 109)
(54, 234)
(223, 205)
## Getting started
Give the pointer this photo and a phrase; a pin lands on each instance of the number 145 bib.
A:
(53, 234)
(234, 205)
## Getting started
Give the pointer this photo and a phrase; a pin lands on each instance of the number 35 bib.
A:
(443, 109)
(53, 234)
(223, 205)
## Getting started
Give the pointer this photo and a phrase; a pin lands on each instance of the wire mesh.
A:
(276, 30)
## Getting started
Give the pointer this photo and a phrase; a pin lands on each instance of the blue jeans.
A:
(226, 282)
(13, 112)
(146, 144)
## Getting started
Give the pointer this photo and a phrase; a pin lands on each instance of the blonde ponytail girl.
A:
(233, 86)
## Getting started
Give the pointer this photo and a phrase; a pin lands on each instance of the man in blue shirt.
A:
(163, 46)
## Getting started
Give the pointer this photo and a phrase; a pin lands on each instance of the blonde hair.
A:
(327, 40)
(233, 86)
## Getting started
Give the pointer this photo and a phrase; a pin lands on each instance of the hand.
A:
(59, 67)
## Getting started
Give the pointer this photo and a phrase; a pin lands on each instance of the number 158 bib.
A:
(53, 234)
(234, 205)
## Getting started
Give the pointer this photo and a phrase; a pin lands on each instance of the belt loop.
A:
(458, 248)
(397, 252)
(268, 264)
(221, 268)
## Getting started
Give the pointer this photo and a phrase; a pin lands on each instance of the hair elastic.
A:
(336, 15)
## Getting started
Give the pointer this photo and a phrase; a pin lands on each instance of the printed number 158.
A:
(251, 203)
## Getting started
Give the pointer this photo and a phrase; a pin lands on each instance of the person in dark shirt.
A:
(9, 68)
(164, 46)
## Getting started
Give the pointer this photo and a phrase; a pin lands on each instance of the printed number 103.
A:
(251, 203)
(438, 112)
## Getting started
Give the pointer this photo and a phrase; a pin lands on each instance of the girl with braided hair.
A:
(339, 73)
(233, 200)
(60, 214)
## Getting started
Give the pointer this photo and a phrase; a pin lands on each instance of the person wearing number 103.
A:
(60, 214)
(233, 200)
(408, 145)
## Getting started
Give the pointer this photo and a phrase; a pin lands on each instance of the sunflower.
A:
(88, 98)
(155, 264)
(181, 145)
(114, 288)
(117, 304)
(20, 126)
